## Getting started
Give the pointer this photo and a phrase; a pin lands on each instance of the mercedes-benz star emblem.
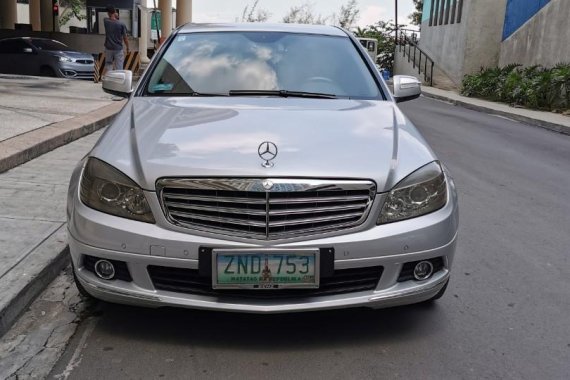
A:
(267, 151)
(267, 184)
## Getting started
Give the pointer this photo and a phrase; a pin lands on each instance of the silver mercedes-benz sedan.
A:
(262, 168)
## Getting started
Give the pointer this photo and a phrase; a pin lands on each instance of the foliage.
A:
(383, 32)
(532, 87)
(303, 14)
(72, 9)
(254, 14)
(416, 16)
(348, 15)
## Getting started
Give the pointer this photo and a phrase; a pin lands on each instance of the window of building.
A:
(444, 12)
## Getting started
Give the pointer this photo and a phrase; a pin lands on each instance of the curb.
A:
(25, 147)
(517, 117)
(31, 276)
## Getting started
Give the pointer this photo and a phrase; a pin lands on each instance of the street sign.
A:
(155, 22)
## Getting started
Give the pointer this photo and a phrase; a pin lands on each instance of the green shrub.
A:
(532, 87)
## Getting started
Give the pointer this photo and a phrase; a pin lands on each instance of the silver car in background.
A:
(262, 168)
(44, 57)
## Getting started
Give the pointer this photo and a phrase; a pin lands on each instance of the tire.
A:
(47, 71)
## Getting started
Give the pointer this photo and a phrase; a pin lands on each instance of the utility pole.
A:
(396, 19)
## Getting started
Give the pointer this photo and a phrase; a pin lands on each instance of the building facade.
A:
(464, 35)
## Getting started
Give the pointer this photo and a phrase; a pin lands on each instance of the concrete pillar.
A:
(35, 15)
(8, 14)
(183, 12)
(46, 15)
(165, 7)
(144, 37)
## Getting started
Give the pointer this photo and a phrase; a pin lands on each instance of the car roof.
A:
(264, 27)
(30, 39)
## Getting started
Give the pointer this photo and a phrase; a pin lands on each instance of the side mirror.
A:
(119, 83)
(406, 88)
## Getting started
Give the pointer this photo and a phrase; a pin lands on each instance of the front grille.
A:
(121, 269)
(85, 61)
(245, 208)
(181, 280)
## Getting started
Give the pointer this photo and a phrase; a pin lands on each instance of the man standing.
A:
(115, 35)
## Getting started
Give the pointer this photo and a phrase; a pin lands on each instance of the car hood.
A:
(156, 137)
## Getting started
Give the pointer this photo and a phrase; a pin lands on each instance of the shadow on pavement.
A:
(269, 332)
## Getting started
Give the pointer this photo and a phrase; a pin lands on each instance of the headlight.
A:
(420, 193)
(106, 189)
(65, 59)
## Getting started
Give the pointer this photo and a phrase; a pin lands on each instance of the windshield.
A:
(49, 45)
(233, 62)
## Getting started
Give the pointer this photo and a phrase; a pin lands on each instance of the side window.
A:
(12, 47)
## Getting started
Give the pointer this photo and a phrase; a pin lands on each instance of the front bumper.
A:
(73, 70)
(140, 245)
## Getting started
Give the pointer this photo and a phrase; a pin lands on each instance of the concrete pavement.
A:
(40, 114)
(32, 196)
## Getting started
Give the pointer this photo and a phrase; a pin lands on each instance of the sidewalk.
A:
(40, 114)
(547, 120)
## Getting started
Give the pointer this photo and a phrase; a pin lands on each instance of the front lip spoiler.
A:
(418, 293)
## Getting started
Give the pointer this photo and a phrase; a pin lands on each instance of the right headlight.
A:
(106, 189)
(420, 193)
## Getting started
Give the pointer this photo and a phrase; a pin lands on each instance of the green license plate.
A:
(241, 269)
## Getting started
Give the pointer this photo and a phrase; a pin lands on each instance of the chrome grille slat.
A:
(215, 199)
(245, 208)
(314, 210)
(226, 210)
(314, 220)
(219, 219)
(318, 200)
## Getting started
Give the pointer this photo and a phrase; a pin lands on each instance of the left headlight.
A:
(106, 189)
(420, 193)
(65, 59)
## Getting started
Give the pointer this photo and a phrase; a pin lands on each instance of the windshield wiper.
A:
(282, 93)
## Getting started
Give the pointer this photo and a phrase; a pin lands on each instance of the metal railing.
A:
(405, 42)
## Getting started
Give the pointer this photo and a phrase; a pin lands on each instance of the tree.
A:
(303, 14)
(383, 32)
(348, 15)
(416, 17)
(71, 9)
(253, 14)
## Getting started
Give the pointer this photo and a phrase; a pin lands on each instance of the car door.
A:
(17, 57)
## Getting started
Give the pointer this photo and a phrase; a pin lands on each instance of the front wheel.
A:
(47, 71)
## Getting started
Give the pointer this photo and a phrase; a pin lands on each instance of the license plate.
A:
(240, 269)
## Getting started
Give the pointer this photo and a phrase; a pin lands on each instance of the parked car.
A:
(262, 168)
(45, 57)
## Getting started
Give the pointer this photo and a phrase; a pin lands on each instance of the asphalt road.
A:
(506, 313)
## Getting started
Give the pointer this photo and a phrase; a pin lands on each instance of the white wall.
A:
(543, 40)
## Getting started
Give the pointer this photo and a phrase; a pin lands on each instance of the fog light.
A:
(104, 269)
(423, 270)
